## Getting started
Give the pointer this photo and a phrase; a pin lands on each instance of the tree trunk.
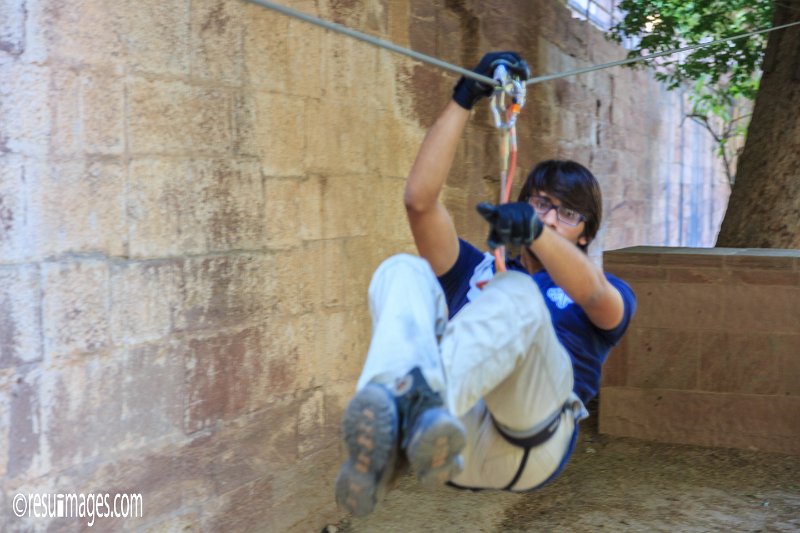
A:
(764, 207)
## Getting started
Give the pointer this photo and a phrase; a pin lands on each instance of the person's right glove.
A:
(468, 91)
(513, 224)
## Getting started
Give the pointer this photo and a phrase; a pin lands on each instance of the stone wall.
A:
(712, 356)
(193, 195)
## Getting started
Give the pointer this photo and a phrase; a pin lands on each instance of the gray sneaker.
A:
(431, 436)
(370, 429)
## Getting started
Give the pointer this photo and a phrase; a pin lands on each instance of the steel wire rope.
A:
(373, 40)
(468, 73)
(592, 68)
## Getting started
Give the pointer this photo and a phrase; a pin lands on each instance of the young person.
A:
(489, 394)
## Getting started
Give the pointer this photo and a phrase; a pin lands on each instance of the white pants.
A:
(498, 358)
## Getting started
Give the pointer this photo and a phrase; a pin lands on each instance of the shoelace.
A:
(414, 403)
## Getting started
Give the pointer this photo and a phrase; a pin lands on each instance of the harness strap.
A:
(531, 441)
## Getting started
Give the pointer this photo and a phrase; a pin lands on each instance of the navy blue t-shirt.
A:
(587, 344)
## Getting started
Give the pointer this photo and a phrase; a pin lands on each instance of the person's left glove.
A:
(468, 91)
(513, 224)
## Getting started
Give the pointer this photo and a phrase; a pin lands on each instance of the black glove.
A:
(468, 91)
(512, 224)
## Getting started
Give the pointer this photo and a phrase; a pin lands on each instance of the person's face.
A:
(566, 222)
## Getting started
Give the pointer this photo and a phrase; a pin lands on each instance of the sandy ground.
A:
(614, 484)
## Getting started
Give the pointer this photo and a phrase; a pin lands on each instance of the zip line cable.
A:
(468, 73)
(374, 40)
(584, 70)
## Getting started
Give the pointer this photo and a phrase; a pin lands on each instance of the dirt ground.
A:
(615, 484)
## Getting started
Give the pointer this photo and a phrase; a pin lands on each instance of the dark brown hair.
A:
(573, 185)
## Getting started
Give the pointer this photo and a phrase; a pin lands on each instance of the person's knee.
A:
(408, 263)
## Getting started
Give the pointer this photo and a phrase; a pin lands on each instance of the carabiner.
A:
(505, 118)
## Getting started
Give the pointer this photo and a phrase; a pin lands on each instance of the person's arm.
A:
(431, 225)
(517, 224)
(581, 279)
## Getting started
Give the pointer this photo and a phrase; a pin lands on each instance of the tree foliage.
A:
(719, 75)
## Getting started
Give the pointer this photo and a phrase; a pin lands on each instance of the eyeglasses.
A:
(568, 216)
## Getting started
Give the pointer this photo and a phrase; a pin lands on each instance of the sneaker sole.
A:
(370, 429)
(434, 450)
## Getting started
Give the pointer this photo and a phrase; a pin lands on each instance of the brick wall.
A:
(193, 196)
(713, 354)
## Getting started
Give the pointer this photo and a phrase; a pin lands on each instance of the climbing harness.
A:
(509, 87)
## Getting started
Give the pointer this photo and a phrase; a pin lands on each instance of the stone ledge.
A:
(711, 354)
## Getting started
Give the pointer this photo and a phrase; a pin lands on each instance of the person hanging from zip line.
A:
(480, 378)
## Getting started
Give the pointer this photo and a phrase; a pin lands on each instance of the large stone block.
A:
(156, 36)
(762, 308)
(307, 57)
(226, 291)
(393, 147)
(62, 218)
(347, 207)
(229, 196)
(152, 392)
(224, 378)
(75, 307)
(163, 215)
(703, 309)
(615, 369)
(311, 425)
(293, 210)
(144, 298)
(24, 453)
(746, 421)
(211, 131)
(280, 133)
(216, 40)
(299, 285)
(88, 31)
(388, 198)
(243, 123)
(363, 255)
(737, 362)
(341, 349)
(65, 105)
(167, 116)
(338, 138)
(311, 481)
(98, 406)
(25, 119)
(12, 26)
(663, 358)
(266, 49)
(290, 354)
(16, 174)
(20, 312)
(785, 346)
(6, 383)
(328, 289)
(248, 507)
(161, 116)
(103, 113)
(207, 205)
